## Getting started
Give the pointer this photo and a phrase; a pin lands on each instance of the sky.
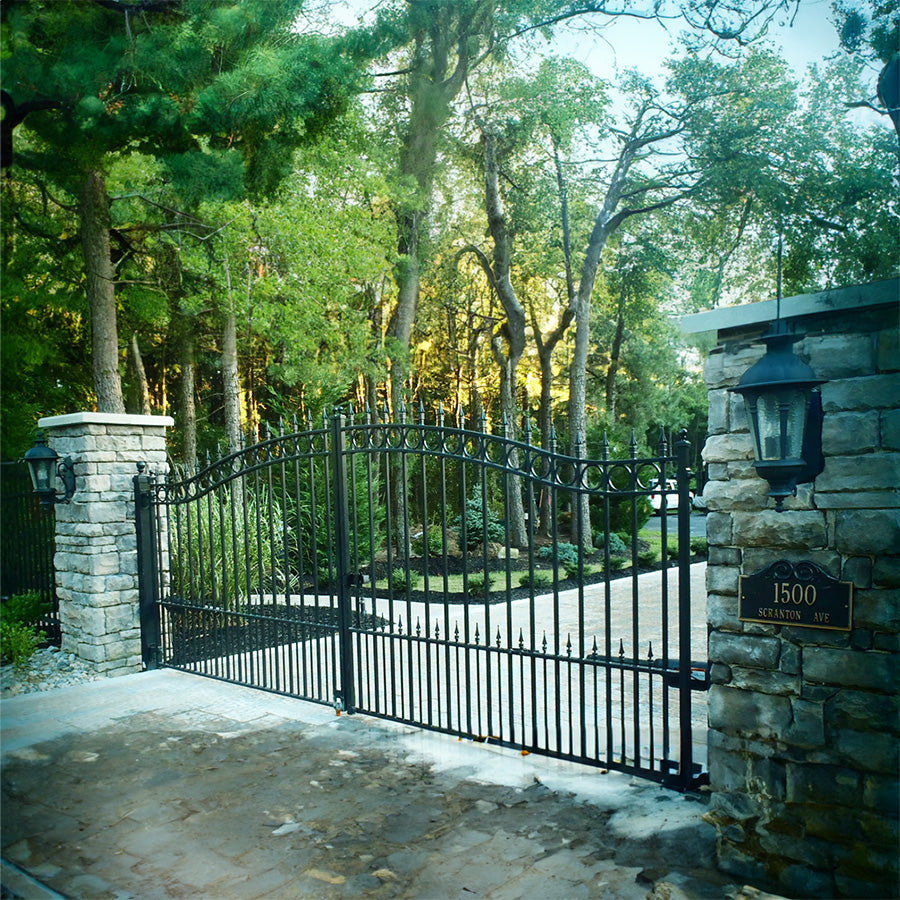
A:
(627, 42)
(807, 37)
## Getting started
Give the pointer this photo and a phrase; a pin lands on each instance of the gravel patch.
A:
(48, 668)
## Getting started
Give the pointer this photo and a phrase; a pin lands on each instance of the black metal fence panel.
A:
(459, 580)
(27, 545)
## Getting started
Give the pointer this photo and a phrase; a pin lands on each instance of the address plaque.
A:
(802, 595)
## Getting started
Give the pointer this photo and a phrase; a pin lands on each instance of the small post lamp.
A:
(785, 412)
(43, 465)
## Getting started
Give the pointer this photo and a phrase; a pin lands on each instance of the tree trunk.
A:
(231, 384)
(141, 387)
(188, 402)
(93, 211)
(615, 354)
(513, 330)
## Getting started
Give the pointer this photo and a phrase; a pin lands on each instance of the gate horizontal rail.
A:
(439, 576)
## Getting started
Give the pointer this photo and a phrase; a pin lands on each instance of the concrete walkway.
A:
(169, 785)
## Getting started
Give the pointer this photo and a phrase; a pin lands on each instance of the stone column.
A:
(804, 730)
(96, 549)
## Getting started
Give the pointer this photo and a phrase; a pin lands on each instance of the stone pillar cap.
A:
(99, 418)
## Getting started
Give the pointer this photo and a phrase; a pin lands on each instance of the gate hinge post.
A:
(147, 567)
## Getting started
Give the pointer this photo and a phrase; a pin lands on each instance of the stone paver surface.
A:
(167, 785)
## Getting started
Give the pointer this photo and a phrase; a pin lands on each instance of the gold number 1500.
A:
(785, 593)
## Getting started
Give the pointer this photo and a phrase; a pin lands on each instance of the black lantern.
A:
(785, 412)
(44, 465)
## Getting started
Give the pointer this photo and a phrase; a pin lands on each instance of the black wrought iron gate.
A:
(459, 580)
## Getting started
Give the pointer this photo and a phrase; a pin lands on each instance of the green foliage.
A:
(539, 580)
(566, 555)
(648, 557)
(18, 642)
(224, 551)
(621, 512)
(479, 584)
(435, 542)
(480, 522)
(18, 636)
(402, 582)
(613, 541)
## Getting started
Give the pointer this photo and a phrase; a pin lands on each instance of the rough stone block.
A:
(858, 571)
(722, 612)
(882, 794)
(787, 530)
(725, 369)
(789, 662)
(851, 668)
(723, 448)
(805, 881)
(873, 392)
(765, 681)
(744, 650)
(838, 785)
(722, 580)
(748, 713)
(890, 429)
(869, 751)
(808, 725)
(724, 556)
(743, 494)
(867, 472)
(120, 618)
(741, 864)
(886, 572)
(844, 434)
(719, 529)
(867, 532)
(888, 499)
(835, 356)
(729, 772)
(718, 412)
(889, 350)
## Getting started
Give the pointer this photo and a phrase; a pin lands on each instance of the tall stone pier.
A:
(96, 546)
(803, 707)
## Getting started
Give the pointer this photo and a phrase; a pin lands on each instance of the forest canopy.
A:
(241, 212)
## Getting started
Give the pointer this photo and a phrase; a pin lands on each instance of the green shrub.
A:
(18, 642)
(616, 544)
(539, 580)
(648, 557)
(566, 554)
(620, 512)
(617, 563)
(479, 584)
(402, 581)
(435, 542)
(222, 551)
(25, 609)
(479, 525)
(18, 636)
(699, 547)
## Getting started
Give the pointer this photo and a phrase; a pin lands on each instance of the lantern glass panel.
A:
(42, 474)
(796, 403)
(778, 424)
(768, 437)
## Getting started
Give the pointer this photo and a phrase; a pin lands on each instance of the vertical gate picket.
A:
(345, 698)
